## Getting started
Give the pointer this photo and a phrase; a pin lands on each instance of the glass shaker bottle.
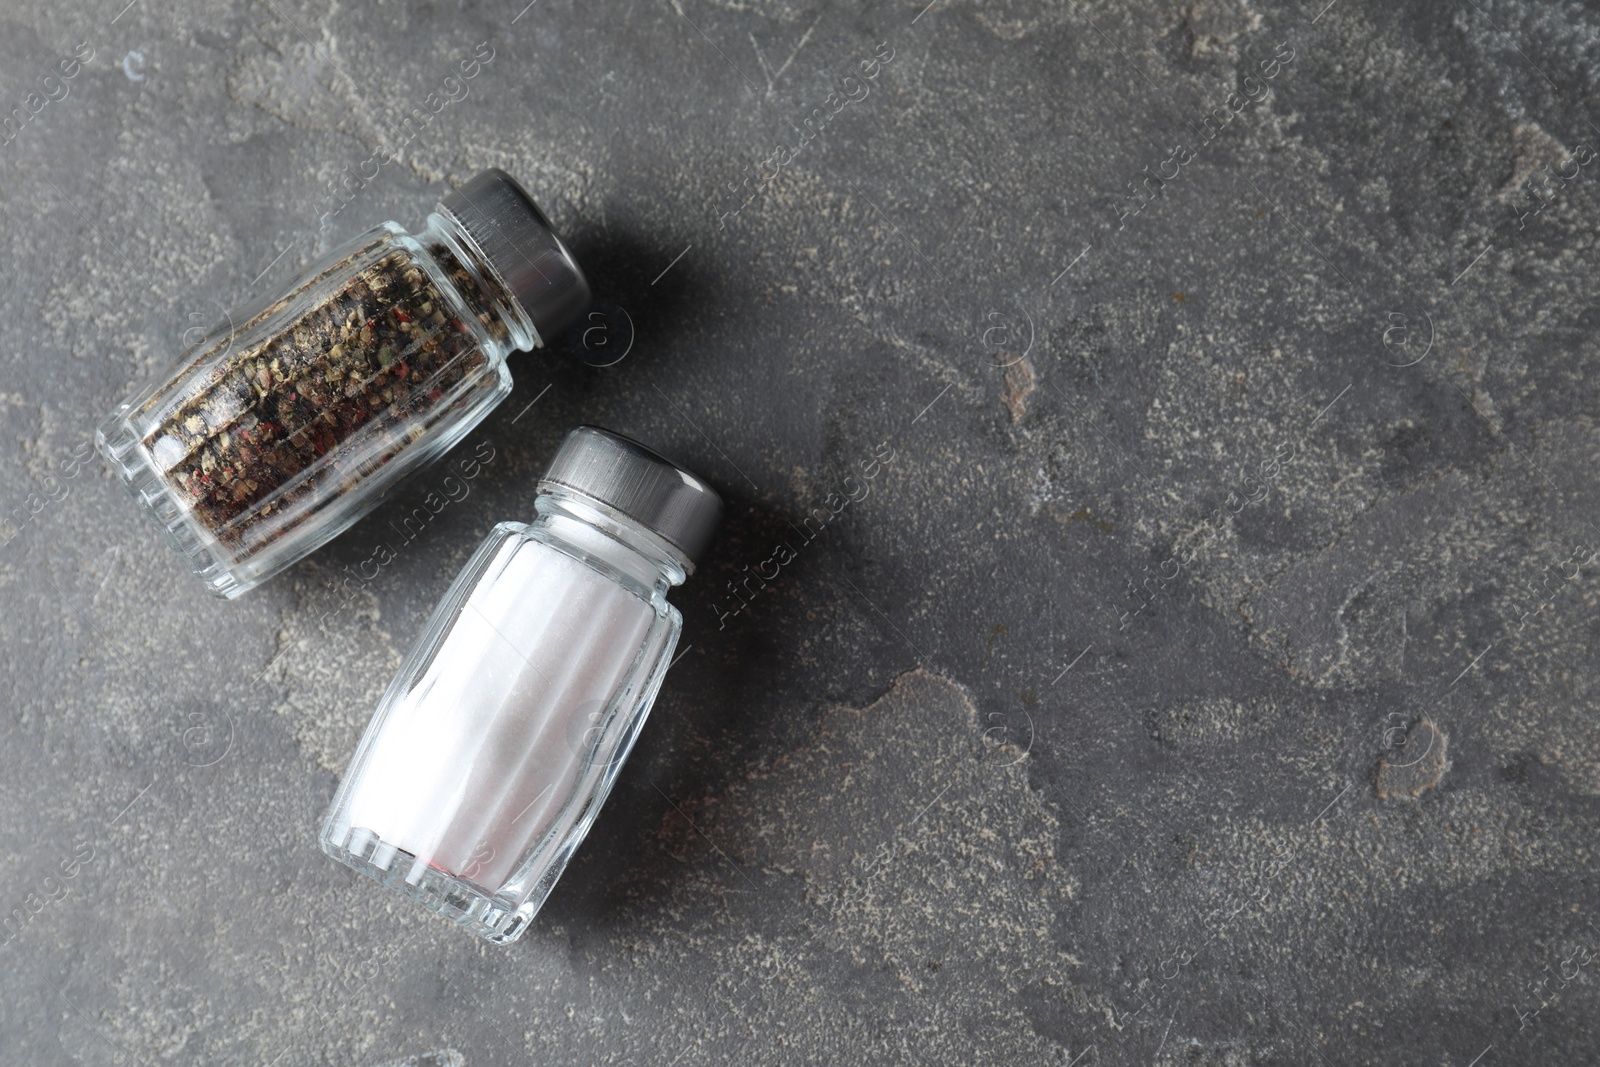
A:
(495, 746)
(288, 422)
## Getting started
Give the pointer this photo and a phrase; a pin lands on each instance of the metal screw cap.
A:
(519, 242)
(641, 484)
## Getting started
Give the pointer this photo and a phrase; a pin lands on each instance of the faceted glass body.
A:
(288, 422)
(494, 748)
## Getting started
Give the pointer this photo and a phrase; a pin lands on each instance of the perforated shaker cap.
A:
(640, 483)
(519, 242)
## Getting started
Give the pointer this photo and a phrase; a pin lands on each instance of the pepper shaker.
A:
(493, 749)
(287, 423)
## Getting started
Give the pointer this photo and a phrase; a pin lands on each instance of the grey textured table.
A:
(1205, 677)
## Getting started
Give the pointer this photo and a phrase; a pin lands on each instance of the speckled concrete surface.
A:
(1206, 678)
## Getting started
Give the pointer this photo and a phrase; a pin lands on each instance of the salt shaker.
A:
(493, 749)
(288, 422)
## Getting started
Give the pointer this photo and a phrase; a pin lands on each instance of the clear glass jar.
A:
(495, 746)
(290, 421)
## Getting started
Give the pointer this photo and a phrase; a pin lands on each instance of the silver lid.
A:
(519, 242)
(639, 483)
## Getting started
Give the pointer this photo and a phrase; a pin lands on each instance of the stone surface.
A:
(1417, 764)
(1227, 369)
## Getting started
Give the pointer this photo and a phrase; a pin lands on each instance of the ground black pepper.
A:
(372, 356)
(289, 423)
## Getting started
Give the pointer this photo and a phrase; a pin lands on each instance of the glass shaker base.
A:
(121, 448)
(454, 898)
